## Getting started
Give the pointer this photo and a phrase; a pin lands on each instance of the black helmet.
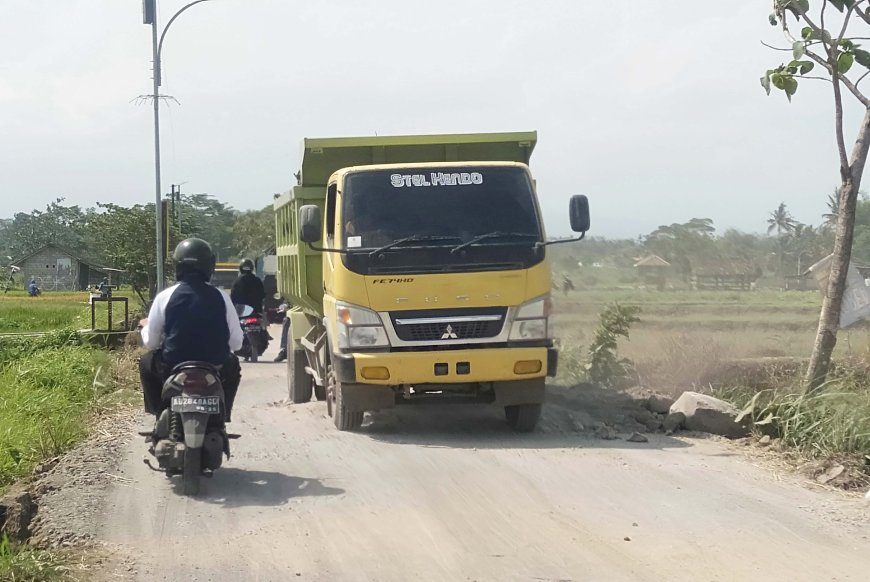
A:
(246, 266)
(193, 255)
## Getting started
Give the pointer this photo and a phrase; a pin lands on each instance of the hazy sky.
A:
(652, 109)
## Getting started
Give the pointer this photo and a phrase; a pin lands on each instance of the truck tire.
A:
(298, 380)
(523, 417)
(344, 420)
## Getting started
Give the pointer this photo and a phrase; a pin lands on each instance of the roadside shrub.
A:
(572, 367)
(604, 365)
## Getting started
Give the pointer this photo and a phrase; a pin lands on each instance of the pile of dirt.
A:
(602, 412)
(17, 510)
(608, 414)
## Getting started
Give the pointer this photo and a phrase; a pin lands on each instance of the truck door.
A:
(330, 237)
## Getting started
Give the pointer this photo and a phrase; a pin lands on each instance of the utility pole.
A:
(149, 8)
(149, 16)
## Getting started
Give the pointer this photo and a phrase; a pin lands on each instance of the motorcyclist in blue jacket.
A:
(190, 321)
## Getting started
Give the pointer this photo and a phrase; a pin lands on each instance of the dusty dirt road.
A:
(450, 494)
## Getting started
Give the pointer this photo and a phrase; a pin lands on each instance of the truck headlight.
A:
(359, 328)
(532, 320)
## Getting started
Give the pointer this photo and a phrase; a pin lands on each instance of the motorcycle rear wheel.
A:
(253, 352)
(192, 471)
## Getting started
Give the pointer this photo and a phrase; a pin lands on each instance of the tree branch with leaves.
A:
(837, 54)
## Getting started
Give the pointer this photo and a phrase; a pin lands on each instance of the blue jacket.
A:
(193, 320)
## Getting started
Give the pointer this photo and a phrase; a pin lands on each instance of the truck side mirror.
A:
(310, 223)
(578, 210)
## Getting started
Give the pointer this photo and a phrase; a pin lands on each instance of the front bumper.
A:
(445, 367)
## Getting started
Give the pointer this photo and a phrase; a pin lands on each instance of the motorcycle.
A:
(256, 337)
(189, 437)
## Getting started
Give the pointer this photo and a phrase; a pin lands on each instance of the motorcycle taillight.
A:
(251, 321)
(193, 383)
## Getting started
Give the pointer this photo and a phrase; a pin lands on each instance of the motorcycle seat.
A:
(194, 365)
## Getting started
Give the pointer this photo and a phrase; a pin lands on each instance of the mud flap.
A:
(514, 392)
(366, 397)
(195, 424)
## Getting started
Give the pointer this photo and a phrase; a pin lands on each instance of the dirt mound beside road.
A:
(586, 407)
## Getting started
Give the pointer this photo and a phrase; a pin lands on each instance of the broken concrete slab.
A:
(706, 413)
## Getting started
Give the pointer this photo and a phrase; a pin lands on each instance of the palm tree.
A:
(833, 210)
(780, 220)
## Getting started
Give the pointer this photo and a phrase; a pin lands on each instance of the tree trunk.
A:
(829, 319)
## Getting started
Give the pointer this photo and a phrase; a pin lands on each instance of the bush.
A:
(604, 366)
(572, 368)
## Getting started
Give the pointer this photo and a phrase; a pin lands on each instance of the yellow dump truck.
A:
(417, 271)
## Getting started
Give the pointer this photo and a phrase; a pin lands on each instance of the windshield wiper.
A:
(412, 238)
(494, 234)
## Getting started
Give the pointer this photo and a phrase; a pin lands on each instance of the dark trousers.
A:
(153, 373)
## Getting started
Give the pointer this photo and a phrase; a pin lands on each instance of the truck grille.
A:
(456, 325)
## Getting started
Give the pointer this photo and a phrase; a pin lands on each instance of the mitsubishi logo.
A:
(449, 333)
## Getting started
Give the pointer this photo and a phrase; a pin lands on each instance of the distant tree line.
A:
(123, 237)
(695, 247)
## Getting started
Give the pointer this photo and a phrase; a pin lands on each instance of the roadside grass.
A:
(829, 421)
(25, 314)
(51, 386)
(56, 310)
(24, 563)
(47, 387)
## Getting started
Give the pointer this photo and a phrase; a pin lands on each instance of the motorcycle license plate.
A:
(204, 404)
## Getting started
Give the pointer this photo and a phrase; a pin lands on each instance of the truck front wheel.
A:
(298, 380)
(523, 417)
(341, 416)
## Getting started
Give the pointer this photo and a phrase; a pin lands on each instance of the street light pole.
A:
(155, 97)
(150, 17)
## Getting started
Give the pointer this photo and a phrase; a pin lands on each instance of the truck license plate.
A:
(204, 404)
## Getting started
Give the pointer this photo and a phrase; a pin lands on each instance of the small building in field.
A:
(653, 270)
(56, 269)
(718, 274)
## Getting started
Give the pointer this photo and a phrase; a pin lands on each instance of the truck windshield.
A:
(418, 215)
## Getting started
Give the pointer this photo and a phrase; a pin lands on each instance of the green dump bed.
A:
(300, 270)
